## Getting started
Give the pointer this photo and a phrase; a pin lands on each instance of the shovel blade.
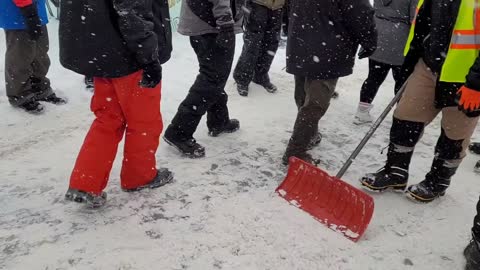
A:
(333, 202)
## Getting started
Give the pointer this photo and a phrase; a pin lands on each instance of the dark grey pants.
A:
(313, 99)
(26, 67)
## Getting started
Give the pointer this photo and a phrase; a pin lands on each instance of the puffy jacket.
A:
(12, 19)
(323, 36)
(199, 17)
(113, 38)
(271, 4)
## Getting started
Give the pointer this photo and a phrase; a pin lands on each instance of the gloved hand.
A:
(364, 53)
(226, 37)
(56, 3)
(152, 75)
(32, 21)
(468, 99)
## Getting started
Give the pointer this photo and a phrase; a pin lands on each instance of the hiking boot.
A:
(363, 114)
(53, 99)
(304, 156)
(242, 90)
(163, 177)
(232, 126)
(477, 167)
(33, 107)
(472, 255)
(428, 190)
(394, 178)
(90, 199)
(316, 140)
(474, 148)
(88, 82)
(269, 86)
(189, 148)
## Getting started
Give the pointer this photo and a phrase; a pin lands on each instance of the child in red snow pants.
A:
(121, 107)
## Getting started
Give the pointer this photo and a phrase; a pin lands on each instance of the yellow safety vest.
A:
(465, 44)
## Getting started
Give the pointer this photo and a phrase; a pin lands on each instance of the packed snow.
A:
(221, 212)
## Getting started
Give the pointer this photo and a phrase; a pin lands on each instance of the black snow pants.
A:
(261, 38)
(207, 94)
(476, 223)
(377, 73)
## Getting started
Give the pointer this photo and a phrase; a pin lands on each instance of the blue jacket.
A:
(12, 19)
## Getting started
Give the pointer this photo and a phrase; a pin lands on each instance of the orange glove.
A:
(468, 99)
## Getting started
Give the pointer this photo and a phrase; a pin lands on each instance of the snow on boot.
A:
(477, 167)
(474, 148)
(54, 100)
(189, 148)
(232, 126)
(90, 199)
(242, 90)
(363, 114)
(303, 156)
(269, 86)
(428, 190)
(33, 107)
(472, 255)
(163, 177)
(316, 140)
(393, 178)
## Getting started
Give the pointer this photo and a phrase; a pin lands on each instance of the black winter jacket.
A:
(113, 38)
(433, 32)
(324, 36)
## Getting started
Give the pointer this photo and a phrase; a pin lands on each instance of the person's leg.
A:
(95, 160)
(141, 108)
(377, 72)
(255, 27)
(415, 110)
(397, 76)
(19, 56)
(40, 67)
(269, 47)
(457, 129)
(299, 91)
(317, 101)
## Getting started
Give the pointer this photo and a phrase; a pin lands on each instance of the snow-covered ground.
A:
(221, 212)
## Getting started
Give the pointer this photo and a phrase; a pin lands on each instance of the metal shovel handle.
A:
(372, 130)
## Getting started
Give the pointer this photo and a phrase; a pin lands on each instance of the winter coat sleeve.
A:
(136, 28)
(473, 77)
(22, 3)
(359, 19)
(222, 12)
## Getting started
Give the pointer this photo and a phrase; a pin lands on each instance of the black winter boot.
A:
(163, 177)
(91, 200)
(474, 148)
(472, 255)
(232, 126)
(33, 107)
(436, 181)
(53, 99)
(89, 82)
(304, 156)
(316, 140)
(189, 148)
(242, 90)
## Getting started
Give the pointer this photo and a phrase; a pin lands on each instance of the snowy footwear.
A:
(91, 200)
(33, 107)
(304, 156)
(269, 86)
(232, 126)
(316, 140)
(394, 178)
(363, 114)
(477, 167)
(472, 255)
(189, 148)
(88, 82)
(242, 90)
(474, 148)
(163, 177)
(53, 99)
(428, 190)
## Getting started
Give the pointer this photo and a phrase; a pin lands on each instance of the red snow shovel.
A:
(333, 202)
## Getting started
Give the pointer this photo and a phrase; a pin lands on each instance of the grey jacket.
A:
(393, 19)
(271, 4)
(200, 17)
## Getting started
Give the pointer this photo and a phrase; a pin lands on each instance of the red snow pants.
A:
(120, 106)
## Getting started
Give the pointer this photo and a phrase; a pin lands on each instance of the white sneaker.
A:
(363, 114)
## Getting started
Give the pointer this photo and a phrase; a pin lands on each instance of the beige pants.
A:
(418, 105)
